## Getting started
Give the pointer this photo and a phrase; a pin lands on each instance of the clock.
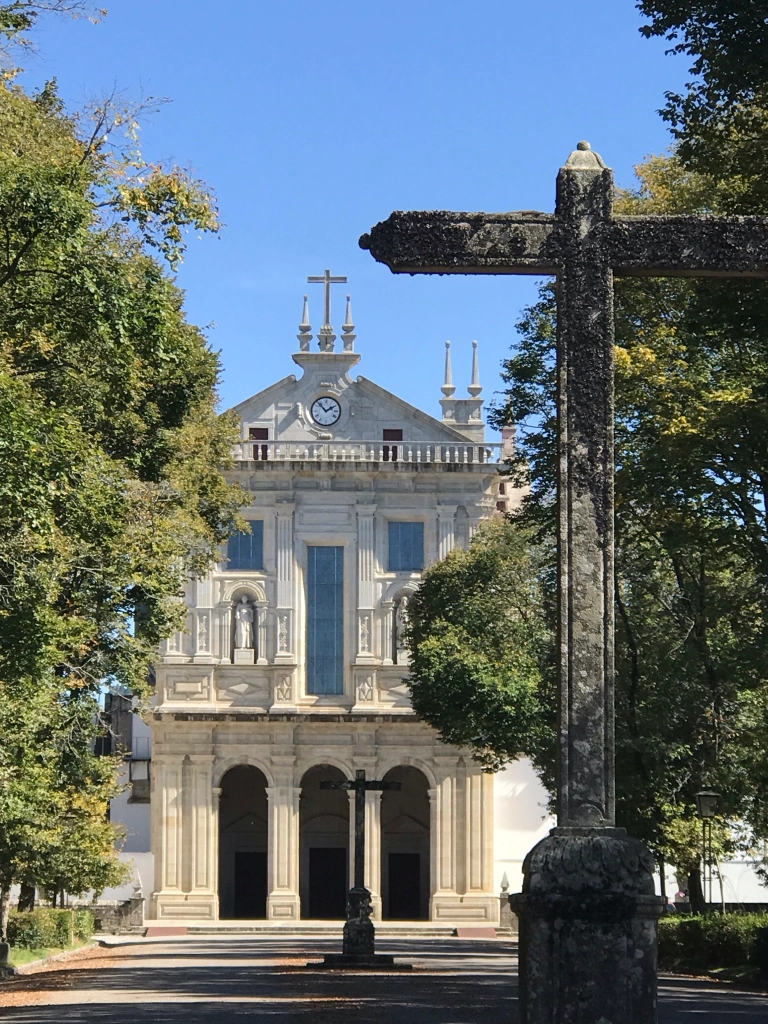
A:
(325, 411)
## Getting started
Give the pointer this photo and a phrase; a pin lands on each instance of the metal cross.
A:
(327, 281)
(360, 785)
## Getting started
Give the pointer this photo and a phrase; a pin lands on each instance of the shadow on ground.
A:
(228, 980)
(165, 983)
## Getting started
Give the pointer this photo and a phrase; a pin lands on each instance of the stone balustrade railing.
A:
(411, 452)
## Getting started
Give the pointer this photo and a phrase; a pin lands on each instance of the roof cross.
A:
(327, 280)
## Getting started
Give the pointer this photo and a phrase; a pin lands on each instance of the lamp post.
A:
(706, 804)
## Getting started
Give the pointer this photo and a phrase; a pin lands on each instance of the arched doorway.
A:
(405, 846)
(243, 817)
(324, 826)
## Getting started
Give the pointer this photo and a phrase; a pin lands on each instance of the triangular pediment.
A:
(366, 409)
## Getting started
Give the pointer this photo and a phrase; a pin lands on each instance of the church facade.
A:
(291, 671)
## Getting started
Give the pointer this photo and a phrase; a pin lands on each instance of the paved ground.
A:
(224, 979)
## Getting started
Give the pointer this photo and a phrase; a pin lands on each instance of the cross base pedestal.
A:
(362, 961)
(588, 912)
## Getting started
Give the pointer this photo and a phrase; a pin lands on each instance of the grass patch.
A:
(19, 957)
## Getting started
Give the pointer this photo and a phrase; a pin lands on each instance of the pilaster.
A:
(446, 535)
(285, 640)
(366, 565)
(283, 903)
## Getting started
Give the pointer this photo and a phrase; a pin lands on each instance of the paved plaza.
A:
(215, 979)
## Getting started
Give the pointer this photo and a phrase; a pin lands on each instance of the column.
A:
(285, 641)
(446, 536)
(224, 618)
(202, 841)
(366, 560)
(442, 827)
(479, 899)
(387, 633)
(283, 903)
(203, 621)
(373, 849)
(166, 830)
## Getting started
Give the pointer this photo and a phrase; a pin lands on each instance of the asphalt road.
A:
(221, 980)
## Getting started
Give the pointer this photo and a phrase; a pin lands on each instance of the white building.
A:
(291, 670)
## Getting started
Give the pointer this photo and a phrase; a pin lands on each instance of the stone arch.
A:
(232, 587)
(305, 766)
(243, 842)
(406, 885)
(222, 766)
(323, 843)
(422, 765)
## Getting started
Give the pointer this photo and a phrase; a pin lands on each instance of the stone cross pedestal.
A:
(588, 911)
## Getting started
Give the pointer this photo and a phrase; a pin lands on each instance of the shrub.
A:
(83, 924)
(41, 928)
(709, 941)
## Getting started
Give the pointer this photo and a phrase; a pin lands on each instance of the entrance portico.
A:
(428, 847)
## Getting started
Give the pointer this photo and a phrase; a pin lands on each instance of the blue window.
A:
(246, 550)
(325, 620)
(406, 546)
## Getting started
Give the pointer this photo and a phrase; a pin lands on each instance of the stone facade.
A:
(263, 830)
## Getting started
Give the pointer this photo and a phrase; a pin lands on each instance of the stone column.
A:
(446, 536)
(366, 558)
(200, 838)
(285, 640)
(166, 832)
(283, 902)
(373, 849)
(224, 617)
(442, 842)
(203, 621)
(387, 633)
(588, 910)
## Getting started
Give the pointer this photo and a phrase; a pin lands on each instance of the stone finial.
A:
(448, 388)
(504, 882)
(347, 329)
(475, 388)
(584, 158)
(305, 327)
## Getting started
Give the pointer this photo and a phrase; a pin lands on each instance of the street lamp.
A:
(706, 804)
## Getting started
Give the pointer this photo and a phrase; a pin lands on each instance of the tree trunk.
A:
(663, 879)
(27, 897)
(696, 892)
(5, 908)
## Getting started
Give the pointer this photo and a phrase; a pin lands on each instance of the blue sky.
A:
(314, 120)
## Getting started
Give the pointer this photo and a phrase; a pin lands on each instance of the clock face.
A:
(325, 411)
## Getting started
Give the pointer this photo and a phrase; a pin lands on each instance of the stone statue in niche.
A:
(243, 625)
(401, 624)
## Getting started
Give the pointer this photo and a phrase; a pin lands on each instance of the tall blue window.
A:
(406, 546)
(325, 620)
(246, 550)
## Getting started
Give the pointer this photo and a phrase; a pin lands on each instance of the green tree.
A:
(720, 123)
(110, 447)
(482, 652)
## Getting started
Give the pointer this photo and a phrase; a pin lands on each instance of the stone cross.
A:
(326, 280)
(587, 911)
(360, 785)
(358, 947)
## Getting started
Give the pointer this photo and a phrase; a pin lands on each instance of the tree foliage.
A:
(720, 122)
(110, 446)
(482, 659)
